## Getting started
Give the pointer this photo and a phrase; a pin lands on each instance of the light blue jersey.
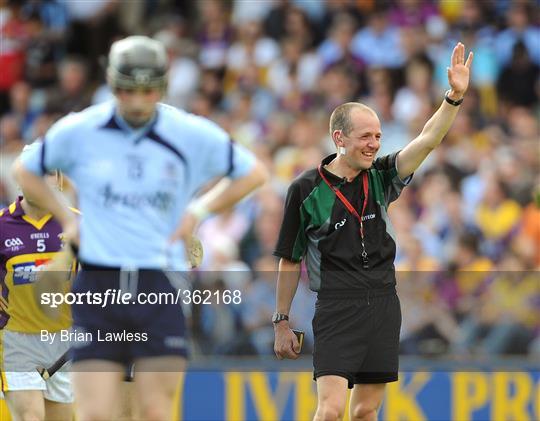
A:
(133, 185)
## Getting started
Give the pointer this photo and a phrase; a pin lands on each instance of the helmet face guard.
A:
(137, 62)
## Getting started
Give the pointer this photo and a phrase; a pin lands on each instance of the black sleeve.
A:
(386, 167)
(291, 243)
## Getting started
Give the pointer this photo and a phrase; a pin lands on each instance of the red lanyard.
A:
(351, 208)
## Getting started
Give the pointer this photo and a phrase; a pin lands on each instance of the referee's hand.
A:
(286, 343)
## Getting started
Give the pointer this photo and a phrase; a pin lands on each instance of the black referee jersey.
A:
(318, 227)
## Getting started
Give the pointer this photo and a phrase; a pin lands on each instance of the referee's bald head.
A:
(341, 119)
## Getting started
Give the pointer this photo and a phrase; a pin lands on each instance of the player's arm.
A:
(39, 191)
(222, 196)
(286, 344)
(228, 191)
(410, 158)
(58, 152)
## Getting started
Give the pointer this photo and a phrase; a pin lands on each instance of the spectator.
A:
(274, 22)
(497, 217)
(336, 9)
(516, 83)
(336, 47)
(296, 70)
(337, 85)
(72, 92)
(298, 26)
(260, 303)
(427, 326)
(378, 44)
(21, 108)
(519, 28)
(527, 243)
(251, 47)
(505, 318)
(54, 16)
(14, 35)
(214, 35)
(11, 145)
(93, 27)
(248, 83)
(42, 54)
(417, 93)
(412, 13)
(263, 233)
(219, 234)
(472, 272)
(183, 70)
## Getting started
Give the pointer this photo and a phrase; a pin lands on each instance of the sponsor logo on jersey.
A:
(160, 200)
(25, 273)
(370, 216)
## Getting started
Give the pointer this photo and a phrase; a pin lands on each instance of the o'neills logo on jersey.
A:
(367, 217)
(39, 235)
(13, 242)
(340, 223)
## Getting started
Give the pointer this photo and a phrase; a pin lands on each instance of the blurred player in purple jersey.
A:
(29, 239)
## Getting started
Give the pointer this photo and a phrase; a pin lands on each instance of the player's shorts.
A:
(126, 332)
(22, 353)
(357, 337)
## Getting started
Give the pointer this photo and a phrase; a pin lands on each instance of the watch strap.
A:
(451, 101)
(279, 317)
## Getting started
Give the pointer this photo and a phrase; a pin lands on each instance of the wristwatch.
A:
(278, 317)
(451, 101)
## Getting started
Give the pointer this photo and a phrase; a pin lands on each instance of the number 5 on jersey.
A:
(40, 245)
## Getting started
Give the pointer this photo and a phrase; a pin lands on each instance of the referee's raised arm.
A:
(410, 158)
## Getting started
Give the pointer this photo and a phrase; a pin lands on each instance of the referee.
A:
(336, 219)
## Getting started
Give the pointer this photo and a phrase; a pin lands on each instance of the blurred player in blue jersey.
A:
(29, 238)
(136, 164)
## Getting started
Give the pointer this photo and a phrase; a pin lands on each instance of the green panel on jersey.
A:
(376, 187)
(315, 210)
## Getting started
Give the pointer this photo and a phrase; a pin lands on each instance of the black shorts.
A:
(358, 338)
(125, 332)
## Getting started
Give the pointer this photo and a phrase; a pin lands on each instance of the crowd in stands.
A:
(270, 72)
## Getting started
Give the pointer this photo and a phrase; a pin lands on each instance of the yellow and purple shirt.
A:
(26, 244)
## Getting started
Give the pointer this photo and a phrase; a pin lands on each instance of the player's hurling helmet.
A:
(137, 62)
